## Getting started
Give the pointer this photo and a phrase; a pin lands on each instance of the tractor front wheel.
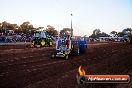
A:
(66, 57)
(50, 44)
(52, 56)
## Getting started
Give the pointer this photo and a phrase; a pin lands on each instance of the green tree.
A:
(120, 34)
(95, 34)
(26, 27)
(114, 33)
(51, 30)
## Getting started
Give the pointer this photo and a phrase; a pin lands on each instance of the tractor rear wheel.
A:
(130, 40)
(32, 43)
(76, 50)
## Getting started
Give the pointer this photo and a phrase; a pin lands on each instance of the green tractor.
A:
(41, 39)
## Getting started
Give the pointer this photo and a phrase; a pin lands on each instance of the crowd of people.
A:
(15, 37)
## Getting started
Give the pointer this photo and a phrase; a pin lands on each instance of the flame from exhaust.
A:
(81, 71)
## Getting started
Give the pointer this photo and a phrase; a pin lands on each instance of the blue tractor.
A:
(66, 45)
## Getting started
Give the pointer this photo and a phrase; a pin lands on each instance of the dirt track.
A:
(22, 67)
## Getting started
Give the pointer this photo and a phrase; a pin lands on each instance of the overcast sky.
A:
(88, 15)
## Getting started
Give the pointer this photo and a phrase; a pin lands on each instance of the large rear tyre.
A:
(130, 40)
(76, 50)
(32, 43)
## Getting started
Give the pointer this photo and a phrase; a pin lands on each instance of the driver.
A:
(68, 42)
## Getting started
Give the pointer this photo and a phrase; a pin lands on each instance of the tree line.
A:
(26, 28)
(97, 33)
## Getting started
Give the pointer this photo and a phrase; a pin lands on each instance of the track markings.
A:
(28, 70)
(34, 67)
(30, 56)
